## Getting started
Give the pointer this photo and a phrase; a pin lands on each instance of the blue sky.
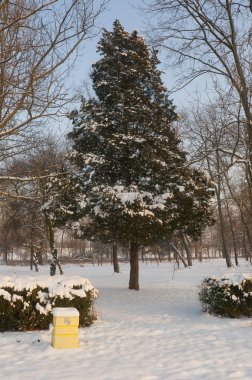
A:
(123, 10)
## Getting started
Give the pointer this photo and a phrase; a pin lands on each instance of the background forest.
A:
(208, 38)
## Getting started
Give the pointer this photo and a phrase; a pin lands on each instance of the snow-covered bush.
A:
(29, 306)
(227, 297)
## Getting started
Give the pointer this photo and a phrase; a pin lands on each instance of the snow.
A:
(97, 211)
(158, 333)
(58, 285)
(5, 295)
(135, 195)
(43, 310)
(92, 158)
(65, 312)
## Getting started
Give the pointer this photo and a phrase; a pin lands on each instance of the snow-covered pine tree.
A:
(135, 187)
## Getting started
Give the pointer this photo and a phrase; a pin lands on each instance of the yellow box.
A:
(65, 323)
(65, 341)
(65, 330)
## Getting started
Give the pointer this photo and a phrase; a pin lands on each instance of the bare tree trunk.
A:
(40, 256)
(33, 259)
(200, 255)
(178, 255)
(198, 250)
(142, 254)
(221, 219)
(127, 253)
(134, 267)
(240, 205)
(168, 254)
(54, 261)
(62, 242)
(5, 256)
(188, 250)
(245, 250)
(224, 246)
(115, 259)
(233, 235)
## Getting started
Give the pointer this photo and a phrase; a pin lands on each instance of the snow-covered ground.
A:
(156, 333)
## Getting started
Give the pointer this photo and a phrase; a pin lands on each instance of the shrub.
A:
(227, 298)
(30, 307)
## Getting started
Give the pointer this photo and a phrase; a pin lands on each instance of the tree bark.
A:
(134, 267)
(231, 229)
(55, 261)
(177, 254)
(5, 254)
(40, 256)
(33, 259)
(222, 232)
(115, 259)
(220, 211)
(188, 250)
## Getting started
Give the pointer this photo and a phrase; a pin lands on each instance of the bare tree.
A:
(8, 227)
(240, 196)
(30, 191)
(39, 40)
(208, 37)
(115, 258)
(213, 139)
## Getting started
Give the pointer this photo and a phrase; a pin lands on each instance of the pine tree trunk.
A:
(134, 267)
(115, 259)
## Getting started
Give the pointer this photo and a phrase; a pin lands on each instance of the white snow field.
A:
(158, 333)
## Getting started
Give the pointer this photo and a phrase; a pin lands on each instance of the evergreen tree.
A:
(134, 186)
